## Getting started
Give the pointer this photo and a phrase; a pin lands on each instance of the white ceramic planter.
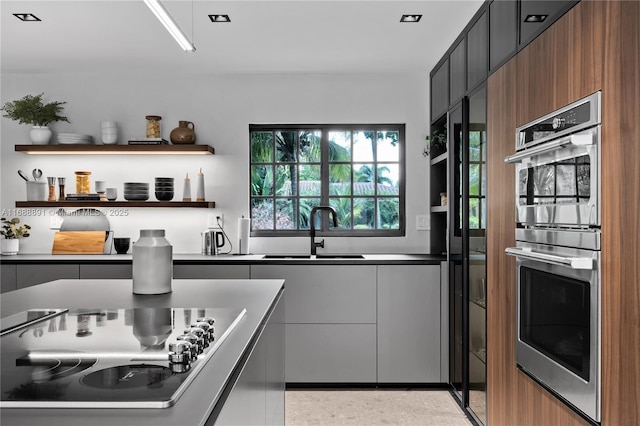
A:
(10, 246)
(40, 135)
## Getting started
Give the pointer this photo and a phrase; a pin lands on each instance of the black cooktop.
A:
(107, 358)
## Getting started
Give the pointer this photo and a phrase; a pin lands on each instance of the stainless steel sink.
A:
(318, 256)
(339, 256)
(286, 256)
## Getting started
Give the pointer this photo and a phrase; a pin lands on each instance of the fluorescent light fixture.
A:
(410, 18)
(171, 26)
(27, 17)
(219, 18)
(535, 18)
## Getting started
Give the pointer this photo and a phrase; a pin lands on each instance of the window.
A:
(356, 169)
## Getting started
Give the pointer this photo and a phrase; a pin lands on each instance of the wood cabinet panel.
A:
(595, 46)
(563, 64)
(621, 215)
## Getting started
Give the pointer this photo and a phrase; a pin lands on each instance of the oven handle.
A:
(572, 262)
(579, 139)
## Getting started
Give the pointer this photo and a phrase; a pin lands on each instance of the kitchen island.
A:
(242, 383)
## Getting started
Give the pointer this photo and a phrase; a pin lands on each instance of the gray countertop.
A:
(195, 259)
(195, 405)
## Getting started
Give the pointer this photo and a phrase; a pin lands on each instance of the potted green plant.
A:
(12, 234)
(31, 110)
(438, 142)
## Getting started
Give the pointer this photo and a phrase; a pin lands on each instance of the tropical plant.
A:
(438, 140)
(11, 230)
(31, 110)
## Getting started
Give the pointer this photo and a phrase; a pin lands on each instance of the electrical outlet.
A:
(422, 222)
(211, 220)
(220, 220)
(55, 221)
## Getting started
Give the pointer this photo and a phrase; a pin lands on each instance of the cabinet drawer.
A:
(102, 271)
(330, 353)
(28, 275)
(211, 271)
(326, 294)
(8, 277)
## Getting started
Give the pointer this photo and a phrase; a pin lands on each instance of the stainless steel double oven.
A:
(557, 253)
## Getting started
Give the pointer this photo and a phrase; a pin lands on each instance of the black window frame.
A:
(323, 228)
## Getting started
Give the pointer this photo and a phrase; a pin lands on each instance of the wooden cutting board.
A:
(78, 242)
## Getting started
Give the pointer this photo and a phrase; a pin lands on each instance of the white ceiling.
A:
(301, 36)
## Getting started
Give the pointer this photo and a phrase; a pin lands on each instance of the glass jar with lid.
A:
(153, 126)
(83, 182)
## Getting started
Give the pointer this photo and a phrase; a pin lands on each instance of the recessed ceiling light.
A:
(219, 18)
(27, 17)
(410, 18)
(535, 18)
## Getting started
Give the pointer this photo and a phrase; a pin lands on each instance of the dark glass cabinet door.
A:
(474, 251)
(467, 260)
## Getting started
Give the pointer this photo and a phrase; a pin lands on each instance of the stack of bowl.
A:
(164, 188)
(136, 191)
(109, 132)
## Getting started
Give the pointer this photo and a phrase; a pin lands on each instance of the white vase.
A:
(10, 246)
(40, 135)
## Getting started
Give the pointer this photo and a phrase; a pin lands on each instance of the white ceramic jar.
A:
(152, 263)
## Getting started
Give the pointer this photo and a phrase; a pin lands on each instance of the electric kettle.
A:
(213, 241)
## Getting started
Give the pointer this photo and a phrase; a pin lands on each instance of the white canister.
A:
(152, 263)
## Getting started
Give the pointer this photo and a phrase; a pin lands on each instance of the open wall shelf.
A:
(116, 149)
(171, 204)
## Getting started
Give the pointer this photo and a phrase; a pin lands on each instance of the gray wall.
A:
(221, 106)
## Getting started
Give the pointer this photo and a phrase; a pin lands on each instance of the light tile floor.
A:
(372, 407)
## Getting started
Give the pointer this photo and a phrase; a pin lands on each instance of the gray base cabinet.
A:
(201, 272)
(330, 353)
(330, 321)
(102, 271)
(409, 324)
(28, 275)
(8, 277)
(257, 396)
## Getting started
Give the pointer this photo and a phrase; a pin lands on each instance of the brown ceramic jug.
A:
(184, 133)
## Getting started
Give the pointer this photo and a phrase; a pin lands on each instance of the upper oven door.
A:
(558, 182)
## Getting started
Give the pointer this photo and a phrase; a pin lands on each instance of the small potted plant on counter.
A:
(12, 233)
(31, 110)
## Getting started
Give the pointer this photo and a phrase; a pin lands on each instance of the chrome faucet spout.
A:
(312, 231)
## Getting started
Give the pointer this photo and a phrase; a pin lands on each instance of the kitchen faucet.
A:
(312, 232)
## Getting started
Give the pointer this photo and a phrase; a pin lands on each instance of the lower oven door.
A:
(558, 321)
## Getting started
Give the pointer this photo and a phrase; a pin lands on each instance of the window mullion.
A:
(324, 176)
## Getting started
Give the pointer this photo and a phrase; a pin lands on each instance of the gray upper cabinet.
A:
(503, 32)
(457, 74)
(477, 43)
(440, 90)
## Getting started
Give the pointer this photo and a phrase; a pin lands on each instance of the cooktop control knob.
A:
(180, 356)
(200, 334)
(195, 347)
(206, 327)
(210, 320)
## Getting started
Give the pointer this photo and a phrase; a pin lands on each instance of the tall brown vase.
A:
(184, 133)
